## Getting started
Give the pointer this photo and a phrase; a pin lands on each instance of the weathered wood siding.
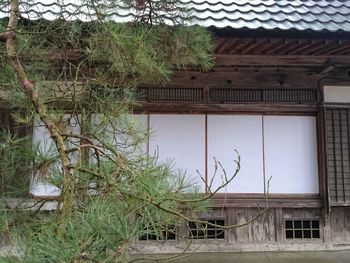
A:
(263, 229)
(340, 222)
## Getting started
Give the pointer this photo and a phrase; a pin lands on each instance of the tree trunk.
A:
(28, 87)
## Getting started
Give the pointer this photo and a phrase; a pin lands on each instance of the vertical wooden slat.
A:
(334, 159)
(341, 153)
(322, 133)
(347, 198)
(324, 160)
(206, 153)
(263, 152)
(279, 225)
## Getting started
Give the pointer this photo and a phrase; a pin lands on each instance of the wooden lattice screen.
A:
(171, 94)
(264, 95)
(226, 95)
(338, 154)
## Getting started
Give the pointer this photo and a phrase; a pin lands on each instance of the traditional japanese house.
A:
(280, 95)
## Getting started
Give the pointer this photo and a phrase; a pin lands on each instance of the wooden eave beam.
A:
(202, 107)
(280, 60)
(275, 200)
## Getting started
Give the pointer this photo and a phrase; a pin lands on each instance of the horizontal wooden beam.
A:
(244, 79)
(287, 60)
(274, 200)
(195, 107)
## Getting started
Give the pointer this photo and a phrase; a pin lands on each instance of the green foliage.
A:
(122, 54)
(143, 54)
(90, 236)
(15, 156)
(102, 229)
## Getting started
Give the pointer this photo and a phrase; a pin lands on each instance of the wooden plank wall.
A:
(340, 222)
(263, 229)
(268, 229)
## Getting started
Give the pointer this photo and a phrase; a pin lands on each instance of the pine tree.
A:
(83, 64)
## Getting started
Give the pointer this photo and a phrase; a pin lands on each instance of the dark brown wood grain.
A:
(280, 60)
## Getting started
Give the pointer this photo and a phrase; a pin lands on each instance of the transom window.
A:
(302, 229)
(206, 230)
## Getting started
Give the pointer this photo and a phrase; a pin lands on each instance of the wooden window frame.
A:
(275, 200)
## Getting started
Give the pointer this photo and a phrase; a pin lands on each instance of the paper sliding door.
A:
(291, 154)
(180, 139)
(227, 133)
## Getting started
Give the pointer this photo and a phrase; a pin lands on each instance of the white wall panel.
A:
(180, 138)
(129, 133)
(337, 94)
(243, 133)
(291, 154)
(134, 140)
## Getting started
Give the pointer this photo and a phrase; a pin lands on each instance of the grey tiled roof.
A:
(315, 15)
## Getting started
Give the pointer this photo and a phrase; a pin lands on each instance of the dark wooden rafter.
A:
(308, 49)
(288, 44)
(302, 45)
(281, 46)
(220, 45)
(319, 49)
(232, 45)
(273, 44)
(257, 52)
(330, 45)
(344, 47)
(258, 43)
(243, 45)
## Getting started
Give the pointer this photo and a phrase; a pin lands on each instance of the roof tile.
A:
(317, 15)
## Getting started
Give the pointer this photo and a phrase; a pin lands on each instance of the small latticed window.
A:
(170, 94)
(302, 229)
(264, 95)
(167, 233)
(210, 230)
